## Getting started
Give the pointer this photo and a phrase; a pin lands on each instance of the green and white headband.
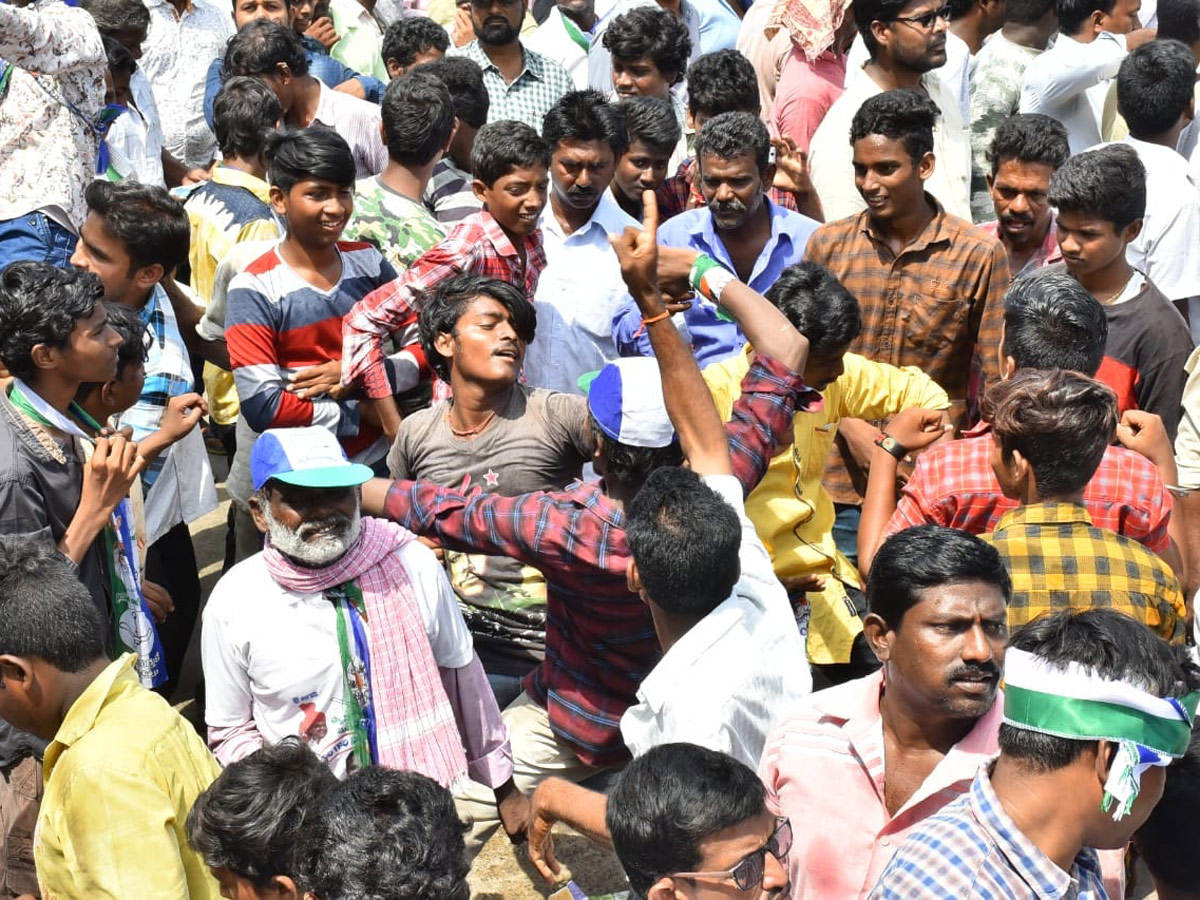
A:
(1071, 701)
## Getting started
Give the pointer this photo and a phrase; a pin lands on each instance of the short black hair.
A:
(652, 32)
(1027, 12)
(1174, 824)
(929, 556)
(119, 59)
(734, 134)
(260, 46)
(464, 79)
(684, 539)
(631, 465)
(721, 82)
(1029, 138)
(316, 152)
(418, 117)
(244, 113)
(1110, 644)
(45, 611)
(1072, 14)
(407, 840)
(407, 37)
(1108, 183)
(666, 802)
(868, 11)
(135, 336)
(1051, 321)
(1155, 84)
(151, 224)
(1179, 20)
(114, 16)
(903, 115)
(503, 146)
(585, 116)
(818, 306)
(450, 300)
(41, 304)
(1060, 421)
(247, 821)
(652, 121)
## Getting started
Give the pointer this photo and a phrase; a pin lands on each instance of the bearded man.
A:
(349, 621)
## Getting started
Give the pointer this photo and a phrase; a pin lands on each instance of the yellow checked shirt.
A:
(791, 510)
(1059, 560)
(120, 777)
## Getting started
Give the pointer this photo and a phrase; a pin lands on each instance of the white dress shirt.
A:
(1069, 82)
(178, 51)
(578, 293)
(953, 74)
(831, 157)
(1166, 249)
(737, 670)
(358, 122)
(553, 41)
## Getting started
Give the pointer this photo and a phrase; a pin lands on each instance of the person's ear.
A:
(1132, 230)
(990, 179)
(453, 134)
(443, 344)
(278, 200)
(283, 72)
(15, 673)
(663, 889)
(879, 636)
(1105, 752)
(257, 513)
(394, 69)
(148, 276)
(1022, 473)
(42, 356)
(690, 120)
(768, 176)
(1008, 367)
(285, 888)
(480, 190)
(633, 578)
(383, 132)
(925, 166)
(882, 32)
(108, 392)
(1190, 112)
(1096, 20)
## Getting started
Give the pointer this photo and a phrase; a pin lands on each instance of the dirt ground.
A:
(501, 871)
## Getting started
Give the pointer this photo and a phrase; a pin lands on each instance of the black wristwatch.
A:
(892, 446)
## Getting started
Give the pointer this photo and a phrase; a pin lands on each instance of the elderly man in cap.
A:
(344, 631)
(600, 639)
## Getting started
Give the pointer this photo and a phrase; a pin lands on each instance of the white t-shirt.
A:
(271, 659)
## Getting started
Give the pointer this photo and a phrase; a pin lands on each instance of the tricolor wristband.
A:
(709, 278)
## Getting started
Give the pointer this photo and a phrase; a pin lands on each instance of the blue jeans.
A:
(35, 236)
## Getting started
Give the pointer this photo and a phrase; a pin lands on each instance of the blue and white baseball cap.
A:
(308, 457)
(626, 400)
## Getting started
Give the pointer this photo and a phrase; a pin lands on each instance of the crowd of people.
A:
(763, 437)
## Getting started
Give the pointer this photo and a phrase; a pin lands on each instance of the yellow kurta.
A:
(120, 777)
(794, 516)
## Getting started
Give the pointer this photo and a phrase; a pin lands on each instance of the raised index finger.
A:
(650, 215)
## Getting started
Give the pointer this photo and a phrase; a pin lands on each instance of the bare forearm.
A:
(578, 808)
(82, 532)
(765, 327)
(1184, 530)
(878, 506)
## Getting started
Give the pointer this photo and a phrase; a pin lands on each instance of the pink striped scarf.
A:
(415, 727)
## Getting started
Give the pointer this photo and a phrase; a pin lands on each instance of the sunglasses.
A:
(925, 20)
(749, 873)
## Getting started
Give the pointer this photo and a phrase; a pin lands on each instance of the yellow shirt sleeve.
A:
(724, 380)
(871, 390)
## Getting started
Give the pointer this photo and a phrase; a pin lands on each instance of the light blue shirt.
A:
(712, 338)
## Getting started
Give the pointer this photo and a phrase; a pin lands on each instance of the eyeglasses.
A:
(925, 20)
(749, 873)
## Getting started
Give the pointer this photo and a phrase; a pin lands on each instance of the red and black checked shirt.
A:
(934, 306)
(600, 640)
(953, 485)
(681, 192)
(476, 245)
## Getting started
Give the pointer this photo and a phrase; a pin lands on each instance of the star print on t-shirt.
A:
(490, 478)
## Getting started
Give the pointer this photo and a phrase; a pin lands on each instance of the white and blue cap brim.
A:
(626, 400)
(308, 457)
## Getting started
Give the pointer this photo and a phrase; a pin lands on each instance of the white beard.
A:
(318, 551)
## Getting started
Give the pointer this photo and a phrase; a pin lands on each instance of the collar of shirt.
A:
(499, 240)
(228, 175)
(326, 112)
(1033, 866)
(856, 705)
(934, 232)
(81, 717)
(607, 218)
(1046, 254)
(531, 63)
(715, 246)
(1044, 514)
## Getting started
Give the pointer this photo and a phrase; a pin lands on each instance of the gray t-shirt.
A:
(540, 442)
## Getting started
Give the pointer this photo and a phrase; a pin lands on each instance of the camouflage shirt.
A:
(995, 91)
(401, 228)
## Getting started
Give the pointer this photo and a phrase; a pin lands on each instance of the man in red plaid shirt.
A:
(1050, 322)
(511, 164)
(600, 640)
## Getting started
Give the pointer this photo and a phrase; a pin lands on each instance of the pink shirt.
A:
(823, 768)
(804, 94)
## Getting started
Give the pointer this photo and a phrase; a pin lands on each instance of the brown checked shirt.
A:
(935, 305)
